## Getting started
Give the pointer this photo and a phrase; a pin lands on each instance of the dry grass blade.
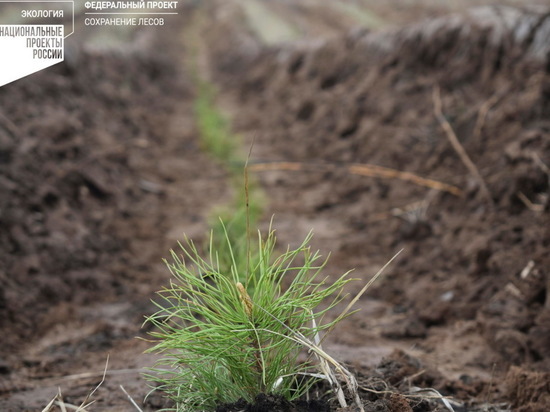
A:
(435, 395)
(362, 170)
(247, 208)
(130, 399)
(58, 399)
(333, 381)
(386, 172)
(85, 403)
(416, 394)
(362, 291)
(328, 373)
(325, 360)
(64, 407)
(87, 375)
(350, 379)
(61, 404)
(49, 406)
(459, 149)
(270, 166)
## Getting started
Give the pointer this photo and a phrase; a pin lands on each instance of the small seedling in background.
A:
(226, 336)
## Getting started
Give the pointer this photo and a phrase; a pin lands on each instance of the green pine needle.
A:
(224, 338)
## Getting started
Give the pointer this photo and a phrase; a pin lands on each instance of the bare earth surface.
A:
(101, 171)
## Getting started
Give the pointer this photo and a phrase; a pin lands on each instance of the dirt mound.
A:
(474, 260)
(81, 189)
(100, 173)
(529, 391)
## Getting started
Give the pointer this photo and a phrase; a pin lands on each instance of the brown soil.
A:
(469, 292)
(101, 171)
(99, 178)
(274, 403)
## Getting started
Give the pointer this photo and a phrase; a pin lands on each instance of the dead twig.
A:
(459, 149)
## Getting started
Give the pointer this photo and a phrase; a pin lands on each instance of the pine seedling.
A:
(226, 336)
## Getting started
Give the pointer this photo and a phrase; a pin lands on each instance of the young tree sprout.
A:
(226, 335)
